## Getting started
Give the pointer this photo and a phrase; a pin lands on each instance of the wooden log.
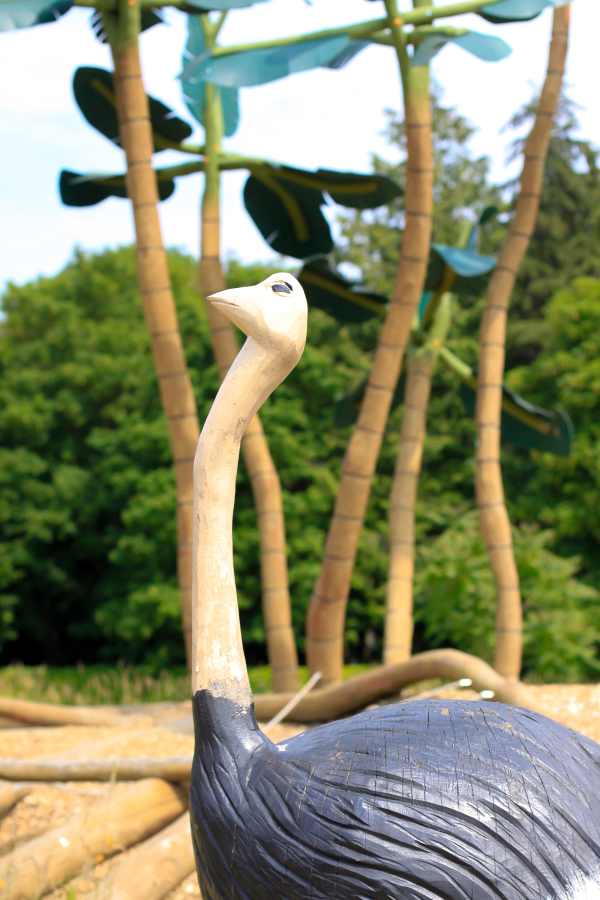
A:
(385, 681)
(175, 770)
(30, 712)
(152, 869)
(131, 813)
(11, 794)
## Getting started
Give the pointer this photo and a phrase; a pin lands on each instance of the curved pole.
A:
(489, 490)
(176, 393)
(327, 610)
(398, 629)
(266, 486)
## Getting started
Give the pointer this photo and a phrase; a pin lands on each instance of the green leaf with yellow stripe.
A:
(87, 190)
(285, 204)
(95, 96)
(328, 290)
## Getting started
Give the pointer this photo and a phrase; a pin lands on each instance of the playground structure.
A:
(296, 208)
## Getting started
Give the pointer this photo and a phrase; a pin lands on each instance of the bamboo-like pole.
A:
(398, 630)
(128, 815)
(266, 486)
(327, 610)
(495, 524)
(176, 393)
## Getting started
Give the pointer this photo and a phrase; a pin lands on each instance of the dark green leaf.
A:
(326, 289)
(288, 215)
(94, 94)
(554, 431)
(359, 191)
(87, 190)
(25, 13)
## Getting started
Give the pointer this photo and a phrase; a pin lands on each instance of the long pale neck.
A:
(218, 662)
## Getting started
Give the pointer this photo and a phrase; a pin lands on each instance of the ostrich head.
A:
(272, 313)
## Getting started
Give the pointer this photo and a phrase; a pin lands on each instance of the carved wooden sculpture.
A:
(430, 799)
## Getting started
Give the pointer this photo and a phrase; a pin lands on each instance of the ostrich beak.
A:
(231, 304)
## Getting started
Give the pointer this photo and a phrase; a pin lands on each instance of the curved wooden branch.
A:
(358, 692)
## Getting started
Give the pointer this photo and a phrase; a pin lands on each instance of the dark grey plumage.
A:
(431, 799)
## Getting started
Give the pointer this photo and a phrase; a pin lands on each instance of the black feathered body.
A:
(429, 799)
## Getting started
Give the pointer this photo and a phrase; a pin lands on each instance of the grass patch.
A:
(92, 685)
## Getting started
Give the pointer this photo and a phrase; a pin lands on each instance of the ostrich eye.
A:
(282, 288)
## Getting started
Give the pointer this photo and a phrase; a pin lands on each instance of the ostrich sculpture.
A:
(433, 799)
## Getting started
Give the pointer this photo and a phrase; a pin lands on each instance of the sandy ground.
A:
(577, 706)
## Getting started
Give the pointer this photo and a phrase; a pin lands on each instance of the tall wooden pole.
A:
(495, 524)
(174, 383)
(398, 630)
(266, 486)
(327, 610)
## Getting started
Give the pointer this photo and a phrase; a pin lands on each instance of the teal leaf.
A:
(94, 93)
(25, 13)
(470, 267)
(250, 67)
(193, 88)
(554, 431)
(87, 190)
(328, 290)
(514, 10)
(490, 49)
(221, 5)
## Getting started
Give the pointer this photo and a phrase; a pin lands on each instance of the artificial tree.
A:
(285, 203)
(495, 524)
(268, 60)
(120, 23)
(452, 272)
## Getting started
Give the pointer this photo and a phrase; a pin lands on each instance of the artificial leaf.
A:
(490, 49)
(250, 67)
(328, 290)
(514, 10)
(359, 191)
(25, 13)
(285, 204)
(221, 5)
(148, 19)
(470, 267)
(525, 425)
(94, 93)
(288, 215)
(87, 190)
(193, 90)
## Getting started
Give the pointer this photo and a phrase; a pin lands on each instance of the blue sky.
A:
(331, 119)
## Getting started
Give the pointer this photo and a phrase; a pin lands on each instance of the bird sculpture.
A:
(452, 800)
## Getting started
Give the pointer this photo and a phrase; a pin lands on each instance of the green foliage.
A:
(456, 600)
(86, 489)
